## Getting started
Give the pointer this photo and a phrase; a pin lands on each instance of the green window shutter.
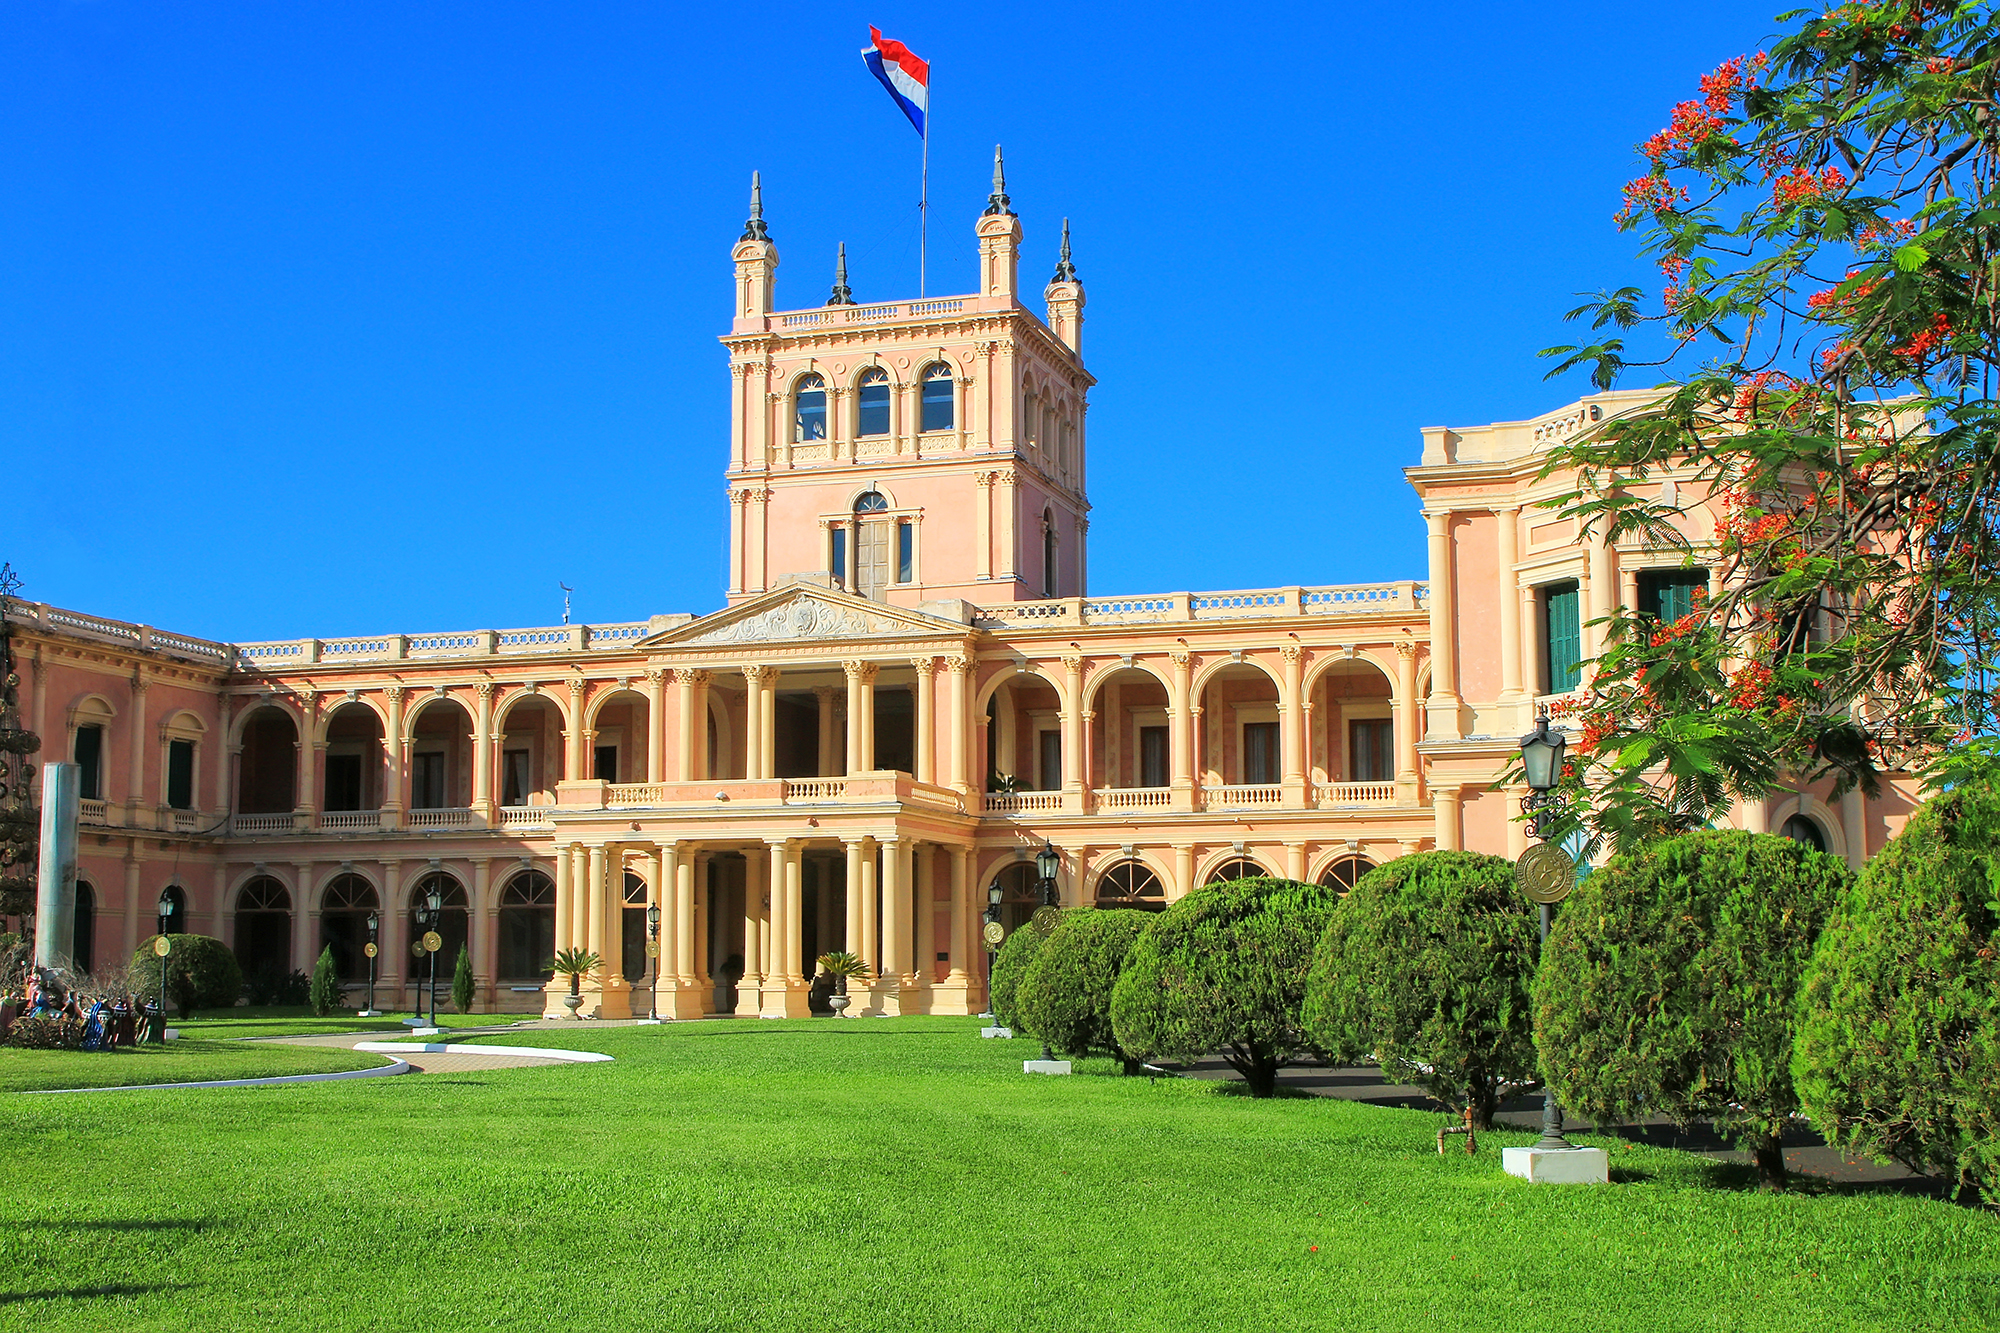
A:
(180, 775)
(1562, 638)
(1668, 594)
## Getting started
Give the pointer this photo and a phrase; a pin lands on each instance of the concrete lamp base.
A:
(1045, 1067)
(372, 1013)
(1558, 1166)
(425, 1032)
(648, 1022)
(996, 1032)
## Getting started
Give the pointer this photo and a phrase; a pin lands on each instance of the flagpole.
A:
(924, 207)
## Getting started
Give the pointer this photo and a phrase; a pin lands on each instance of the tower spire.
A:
(997, 202)
(1065, 271)
(842, 295)
(753, 230)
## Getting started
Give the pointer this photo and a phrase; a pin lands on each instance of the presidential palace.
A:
(909, 690)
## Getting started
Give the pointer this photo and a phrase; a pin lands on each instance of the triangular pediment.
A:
(803, 615)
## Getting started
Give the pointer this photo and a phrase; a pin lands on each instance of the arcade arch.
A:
(1131, 732)
(268, 762)
(1240, 727)
(355, 759)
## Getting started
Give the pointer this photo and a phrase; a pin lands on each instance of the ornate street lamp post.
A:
(1545, 872)
(992, 933)
(428, 913)
(1047, 862)
(163, 947)
(373, 922)
(653, 950)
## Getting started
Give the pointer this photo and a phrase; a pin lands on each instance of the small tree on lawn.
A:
(461, 982)
(1898, 1050)
(1669, 982)
(1009, 966)
(324, 993)
(202, 973)
(1225, 969)
(1426, 965)
(1064, 995)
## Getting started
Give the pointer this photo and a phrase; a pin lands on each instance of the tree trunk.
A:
(1769, 1155)
(1483, 1096)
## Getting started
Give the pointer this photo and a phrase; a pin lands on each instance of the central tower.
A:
(909, 451)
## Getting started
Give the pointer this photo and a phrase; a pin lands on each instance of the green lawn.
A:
(175, 1062)
(298, 1021)
(901, 1174)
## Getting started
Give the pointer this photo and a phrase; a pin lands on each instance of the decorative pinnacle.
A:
(841, 294)
(997, 202)
(1065, 271)
(753, 230)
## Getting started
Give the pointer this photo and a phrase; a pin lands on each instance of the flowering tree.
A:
(1826, 221)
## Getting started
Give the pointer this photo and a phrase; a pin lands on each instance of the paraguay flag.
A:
(907, 78)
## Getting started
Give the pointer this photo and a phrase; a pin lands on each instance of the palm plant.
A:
(843, 966)
(575, 962)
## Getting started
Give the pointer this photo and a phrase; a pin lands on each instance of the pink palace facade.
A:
(909, 691)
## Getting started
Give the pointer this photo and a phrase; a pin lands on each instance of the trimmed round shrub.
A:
(1898, 1050)
(202, 973)
(1224, 969)
(1670, 979)
(1009, 966)
(1427, 965)
(1064, 996)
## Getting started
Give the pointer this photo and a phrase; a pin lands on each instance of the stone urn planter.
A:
(573, 963)
(842, 967)
(572, 1002)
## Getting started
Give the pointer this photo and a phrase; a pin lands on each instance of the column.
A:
(579, 897)
(692, 724)
(737, 539)
(753, 722)
(565, 937)
(686, 925)
(753, 935)
(1444, 807)
(1291, 727)
(1180, 730)
(1295, 860)
(860, 715)
(303, 954)
(924, 689)
(135, 912)
(852, 906)
(576, 761)
(1406, 719)
(706, 916)
(310, 753)
(1183, 871)
(794, 937)
(135, 781)
(872, 860)
(1756, 816)
(593, 899)
(767, 766)
(482, 754)
(1072, 733)
(1854, 823)
(656, 726)
(1510, 608)
(961, 911)
(485, 923)
(895, 912)
(1601, 591)
(779, 975)
(960, 669)
(823, 712)
(395, 766)
(983, 512)
(1443, 704)
(1006, 497)
(665, 895)
(396, 915)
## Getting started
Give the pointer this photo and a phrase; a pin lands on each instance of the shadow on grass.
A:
(124, 1223)
(91, 1293)
(1240, 1089)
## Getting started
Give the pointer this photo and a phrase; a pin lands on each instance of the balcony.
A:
(1119, 800)
(527, 818)
(1009, 804)
(1339, 795)
(259, 826)
(1244, 796)
(350, 821)
(431, 820)
(1406, 597)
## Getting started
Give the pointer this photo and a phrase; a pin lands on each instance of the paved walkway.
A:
(428, 1062)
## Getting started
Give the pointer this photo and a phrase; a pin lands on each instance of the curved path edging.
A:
(392, 1067)
(467, 1048)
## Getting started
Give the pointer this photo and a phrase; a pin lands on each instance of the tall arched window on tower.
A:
(1048, 553)
(937, 399)
(871, 413)
(809, 409)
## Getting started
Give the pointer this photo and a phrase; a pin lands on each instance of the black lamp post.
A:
(994, 894)
(1542, 762)
(1047, 862)
(167, 908)
(434, 900)
(653, 992)
(373, 922)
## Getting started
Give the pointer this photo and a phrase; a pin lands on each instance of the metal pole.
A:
(1552, 1116)
(924, 207)
(434, 987)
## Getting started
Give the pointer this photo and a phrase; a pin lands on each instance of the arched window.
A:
(634, 952)
(83, 941)
(343, 924)
(264, 927)
(938, 398)
(1240, 868)
(1800, 828)
(1131, 884)
(871, 413)
(1048, 553)
(452, 925)
(871, 502)
(527, 927)
(809, 409)
(1343, 873)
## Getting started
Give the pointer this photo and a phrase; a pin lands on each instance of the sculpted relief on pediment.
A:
(804, 618)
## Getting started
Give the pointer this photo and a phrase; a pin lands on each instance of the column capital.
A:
(925, 666)
(395, 694)
(656, 676)
(1406, 649)
(1180, 657)
(486, 690)
(757, 673)
(690, 676)
(1292, 652)
(958, 666)
(861, 671)
(1073, 662)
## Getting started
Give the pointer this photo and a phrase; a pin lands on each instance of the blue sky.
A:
(323, 319)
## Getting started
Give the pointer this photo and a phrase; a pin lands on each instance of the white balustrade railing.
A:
(1110, 799)
(1243, 796)
(350, 821)
(865, 314)
(187, 821)
(123, 633)
(634, 795)
(1406, 597)
(447, 645)
(250, 826)
(814, 789)
(438, 819)
(527, 817)
(93, 812)
(1022, 802)
(1357, 793)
